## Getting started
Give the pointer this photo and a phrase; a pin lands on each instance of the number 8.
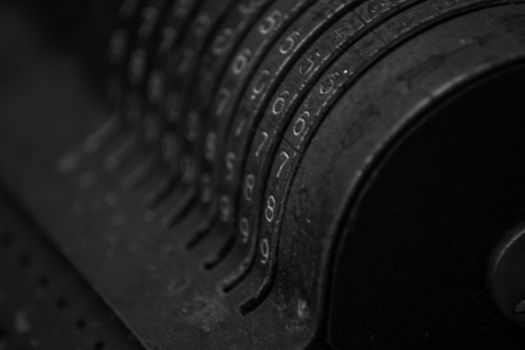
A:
(249, 185)
(269, 213)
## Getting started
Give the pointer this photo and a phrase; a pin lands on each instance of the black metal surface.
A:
(435, 221)
(234, 191)
(506, 275)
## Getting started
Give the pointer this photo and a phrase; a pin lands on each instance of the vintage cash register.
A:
(262, 174)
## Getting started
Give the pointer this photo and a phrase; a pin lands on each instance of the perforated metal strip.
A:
(44, 303)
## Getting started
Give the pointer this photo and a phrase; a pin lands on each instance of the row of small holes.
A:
(61, 303)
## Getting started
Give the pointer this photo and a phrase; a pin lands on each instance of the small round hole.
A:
(81, 324)
(99, 345)
(3, 335)
(7, 238)
(24, 260)
(61, 302)
(43, 281)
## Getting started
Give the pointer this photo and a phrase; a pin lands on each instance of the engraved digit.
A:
(224, 97)
(289, 43)
(128, 7)
(270, 22)
(185, 62)
(245, 229)
(182, 8)
(201, 25)
(149, 15)
(260, 83)
(300, 124)
(172, 108)
(262, 144)
(137, 63)
(222, 42)
(193, 126)
(188, 169)
(211, 146)
(226, 209)
(230, 159)
(265, 251)
(251, 7)
(269, 212)
(169, 148)
(156, 86)
(249, 185)
(280, 103)
(117, 46)
(307, 67)
(241, 61)
(327, 86)
(168, 38)
(285, 157)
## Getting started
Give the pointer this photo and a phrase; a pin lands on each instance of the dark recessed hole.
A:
(198, 237)
(7, 238)
(3, 335)
(61, 302)
(81, 324)
(183, 207)
(24, 260)
(160, 193)
(99, 345)
(221, 254)
(43, 281)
